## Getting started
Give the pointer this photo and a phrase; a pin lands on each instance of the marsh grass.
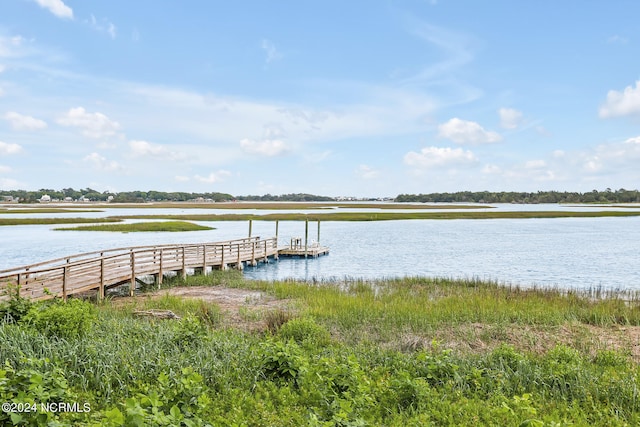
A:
(155, 226)
(41, 221)
(385, 216)
(356, 353)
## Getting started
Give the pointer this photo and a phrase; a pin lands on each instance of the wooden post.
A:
(184, 264)
(253, 253)
(160, 273)
(101, 288)
(132, 286)
(266, 255)
(222, 264)
(250, 225)
(277, 232)
(65, 273)
(306, 236)
(239, 264)
(318, 240)
(204, 259)
(64, 283)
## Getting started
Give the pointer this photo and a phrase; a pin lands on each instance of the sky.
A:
(339, 98)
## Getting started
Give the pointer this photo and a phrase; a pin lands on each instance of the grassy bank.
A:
(172, 226)
(415, 351)
(284, 205)
(44, 210)
(44, 221)
(384, 216)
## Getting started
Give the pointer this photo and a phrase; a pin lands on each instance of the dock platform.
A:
(297, 249)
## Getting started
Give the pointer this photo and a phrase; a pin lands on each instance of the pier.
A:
(102, 270)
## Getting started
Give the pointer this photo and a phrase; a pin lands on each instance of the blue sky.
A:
(337, 98)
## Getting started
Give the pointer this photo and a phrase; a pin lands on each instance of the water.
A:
(564, 252)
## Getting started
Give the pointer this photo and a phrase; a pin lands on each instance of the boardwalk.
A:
(102, 270)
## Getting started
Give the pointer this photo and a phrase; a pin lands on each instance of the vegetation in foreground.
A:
(414, 351)
(151, 226)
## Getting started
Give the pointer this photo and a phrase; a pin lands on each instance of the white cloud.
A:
(2, 68)
(22, 122)
(510, 118)
(265, 147)
(491, 169)
(271, 51)
(93, 125)
(622, 103)
(617, 39)
(635, 140)
(535, 164)
(466, 132)
(57, 7)
(141, 148)
(367, 172)
(8, 184)
(214, 177)
(9, 45)
(101, 163)
(5, 169)
(103, 26)
(430, 157)
(7, 148)
(181, 178)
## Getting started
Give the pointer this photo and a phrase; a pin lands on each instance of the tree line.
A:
(594, 196)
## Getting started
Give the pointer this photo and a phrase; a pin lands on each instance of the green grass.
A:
(44, 221)
(356, 352)
(384, 216)
(44, 210)
(287, 205)
(172, 226)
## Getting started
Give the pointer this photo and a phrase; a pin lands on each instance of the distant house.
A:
(9, 199)
(110, 199)
(45, 198)
(68, 199)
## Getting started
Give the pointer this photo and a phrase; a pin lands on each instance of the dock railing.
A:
(100, 270)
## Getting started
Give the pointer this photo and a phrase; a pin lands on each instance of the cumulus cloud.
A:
(623, 103)
(5, 169)
(22, 122)
(213, 177)
(265, 147)
(101, 163)
(430, 157)
(367, 172)
(57, 7)
(466, 132)
(93, 125)
(510, 118)
(8, 148)
(147, 149)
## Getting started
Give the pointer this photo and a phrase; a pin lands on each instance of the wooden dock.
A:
(102, 270)
(298, 249)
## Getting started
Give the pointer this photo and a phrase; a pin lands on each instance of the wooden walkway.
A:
(102, 270)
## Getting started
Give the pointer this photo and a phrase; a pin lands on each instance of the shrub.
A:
(304, 330)
(16, 308)
(71, 319)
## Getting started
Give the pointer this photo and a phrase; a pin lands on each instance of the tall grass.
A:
(330, 363)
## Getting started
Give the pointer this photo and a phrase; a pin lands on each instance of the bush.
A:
(16, 308)
(304, 330)
(71, 319)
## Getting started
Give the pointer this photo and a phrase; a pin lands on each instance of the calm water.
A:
(565, 252)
